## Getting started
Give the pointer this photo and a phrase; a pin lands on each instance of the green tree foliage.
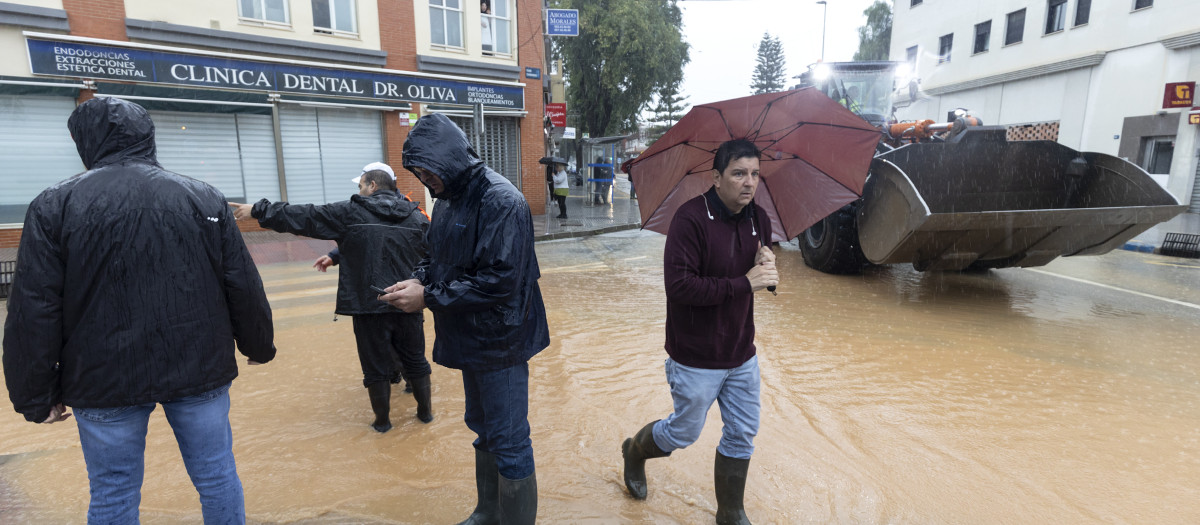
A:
(769, 75)
(875, 38)
(626, 50)
(668, 108)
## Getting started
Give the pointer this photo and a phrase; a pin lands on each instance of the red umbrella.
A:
(815, 157)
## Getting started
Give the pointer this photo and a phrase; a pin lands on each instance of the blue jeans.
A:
(498, 412)
(694, 389)
(114, 447)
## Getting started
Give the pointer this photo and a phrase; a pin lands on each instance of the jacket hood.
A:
(438, 145)
(387, 205)
(109, 130)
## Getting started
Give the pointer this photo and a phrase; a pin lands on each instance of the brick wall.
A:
(96, 18)
(396, 29)
(531, 53)
(10, 237)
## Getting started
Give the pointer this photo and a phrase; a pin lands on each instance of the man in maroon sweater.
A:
(717, 255)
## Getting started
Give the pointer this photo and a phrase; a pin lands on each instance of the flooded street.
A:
(1068, 393)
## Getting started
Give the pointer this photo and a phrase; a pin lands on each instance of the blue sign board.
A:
(78, 60)
(562, 22)
(533, 72)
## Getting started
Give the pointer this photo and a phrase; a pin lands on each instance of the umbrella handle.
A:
(754, 217)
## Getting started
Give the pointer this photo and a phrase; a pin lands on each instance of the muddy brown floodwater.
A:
(1012, 396)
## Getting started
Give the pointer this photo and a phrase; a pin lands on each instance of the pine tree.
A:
(769, 74)
(669, 107)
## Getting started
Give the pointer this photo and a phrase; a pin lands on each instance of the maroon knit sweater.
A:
(710, 308)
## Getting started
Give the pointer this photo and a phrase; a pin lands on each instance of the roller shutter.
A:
(323, 148)
(36, 153)
(233, 152)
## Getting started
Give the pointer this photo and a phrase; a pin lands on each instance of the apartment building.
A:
(1095, 74)
(283, 99)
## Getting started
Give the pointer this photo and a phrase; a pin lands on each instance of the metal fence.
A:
(7, 269)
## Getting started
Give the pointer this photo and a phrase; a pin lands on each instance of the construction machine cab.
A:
(863, 87)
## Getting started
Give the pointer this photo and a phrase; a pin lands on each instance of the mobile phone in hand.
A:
(379, 290)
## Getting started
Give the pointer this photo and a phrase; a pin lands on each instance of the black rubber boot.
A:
(729, 476)
(518, 500)
(381, 404)
(487, 486)
(637, 450)
(423, 392)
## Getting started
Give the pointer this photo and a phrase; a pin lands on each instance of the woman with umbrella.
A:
(716, 256)
(561, 189)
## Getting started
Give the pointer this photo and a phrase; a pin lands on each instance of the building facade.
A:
(1096, 72)
(283, 99)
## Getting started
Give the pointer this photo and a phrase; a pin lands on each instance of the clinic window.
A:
(446, 23)
(1157, 153)
(910, 55)
(1142, 4)
(495, 19)
(914, 3)
(1083, 11)
(1056, 16)
(267, 12)
(334, 16)
(945, 43)
(1014, 31)
(983, 33)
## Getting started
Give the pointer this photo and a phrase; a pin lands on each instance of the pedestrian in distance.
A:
(710, 328)
(480, 281)
(603, 176)
(380, 237)
(561, 190)
(132, 287)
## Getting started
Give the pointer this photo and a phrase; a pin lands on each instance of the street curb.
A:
(585, 233)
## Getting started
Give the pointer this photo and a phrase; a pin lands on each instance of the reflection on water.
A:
(1011, 396)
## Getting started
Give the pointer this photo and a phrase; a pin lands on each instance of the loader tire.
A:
(831, 245)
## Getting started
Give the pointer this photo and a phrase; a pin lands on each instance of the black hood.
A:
(388, 205)
(109, 130)
(438, 145)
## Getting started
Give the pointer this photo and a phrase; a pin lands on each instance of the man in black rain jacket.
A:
(381, 237)
(480, 282)
(132, 286)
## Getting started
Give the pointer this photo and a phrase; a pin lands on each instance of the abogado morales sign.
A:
(80, 60)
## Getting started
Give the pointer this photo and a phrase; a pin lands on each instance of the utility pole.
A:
(824, 11)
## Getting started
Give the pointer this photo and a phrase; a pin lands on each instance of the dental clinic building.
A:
(282, 99)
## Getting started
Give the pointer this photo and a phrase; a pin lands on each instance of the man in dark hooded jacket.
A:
(480, 282)
(381, 237)
(132, 286)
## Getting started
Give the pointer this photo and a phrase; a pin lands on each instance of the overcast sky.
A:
(723, 35)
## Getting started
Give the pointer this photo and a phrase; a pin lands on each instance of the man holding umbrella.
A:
(710, 327)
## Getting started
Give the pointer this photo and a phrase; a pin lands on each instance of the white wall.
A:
(1127, 83)
(15, 60)
(223, 15)
(1111, 26)
(52, 4)
(471, 34)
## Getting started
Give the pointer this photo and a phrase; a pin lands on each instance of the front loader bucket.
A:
(984, 202)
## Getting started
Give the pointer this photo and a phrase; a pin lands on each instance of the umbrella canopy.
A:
(815, 157)
(552, 160)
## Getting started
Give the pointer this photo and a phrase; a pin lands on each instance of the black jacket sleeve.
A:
(324, 221)
(33, 329)
(249, 311)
